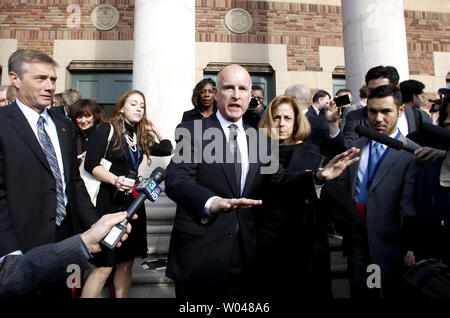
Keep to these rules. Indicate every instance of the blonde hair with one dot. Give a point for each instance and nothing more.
(302, 127)
(145, 139)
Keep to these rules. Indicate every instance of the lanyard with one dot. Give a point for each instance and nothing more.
(373, 173)
(135, 163)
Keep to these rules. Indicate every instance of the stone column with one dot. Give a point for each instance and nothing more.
(374, 34)
(164, 70)
(164, 60)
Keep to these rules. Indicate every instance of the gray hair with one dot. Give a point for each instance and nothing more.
(18, 60)
(70, 96)
(301, 92)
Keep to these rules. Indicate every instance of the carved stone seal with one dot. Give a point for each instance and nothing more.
(238, 20)
(105, 17)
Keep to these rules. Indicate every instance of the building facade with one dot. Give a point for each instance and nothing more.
(281, 42)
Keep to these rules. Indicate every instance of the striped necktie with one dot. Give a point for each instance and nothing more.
(50, 153)
(236, 154)
(236, 161)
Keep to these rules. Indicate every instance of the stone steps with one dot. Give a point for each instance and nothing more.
(339, 272)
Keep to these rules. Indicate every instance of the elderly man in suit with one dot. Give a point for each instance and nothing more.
(382, 185)
(213, 239)
(38, 167)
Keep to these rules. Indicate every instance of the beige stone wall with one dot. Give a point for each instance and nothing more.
(8, 46)
(416, 5)
(66, 51)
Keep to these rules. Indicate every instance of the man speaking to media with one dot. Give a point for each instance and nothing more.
(213, 239)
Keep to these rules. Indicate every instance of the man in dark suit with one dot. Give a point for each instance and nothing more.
(38, 167)
(21, 274)
(213, 240)
(409, 122)
(382, 186)
(321, 100)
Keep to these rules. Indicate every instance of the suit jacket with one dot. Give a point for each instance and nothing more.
(61, 110)
(389, 200)
(193, 114)
(28, 188)
(320, 137)
(312, 112)
(414, 116)
(200, 249)
(21, 274)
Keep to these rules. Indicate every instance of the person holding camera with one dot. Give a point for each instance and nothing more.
(133, 137)
(256, 107)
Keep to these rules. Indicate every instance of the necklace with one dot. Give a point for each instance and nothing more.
(132, 142)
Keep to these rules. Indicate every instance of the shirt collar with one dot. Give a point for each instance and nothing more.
(383, 146)
(31, 115)
(316, 109)
(225, 123)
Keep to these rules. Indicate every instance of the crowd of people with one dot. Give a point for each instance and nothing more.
(237, 231)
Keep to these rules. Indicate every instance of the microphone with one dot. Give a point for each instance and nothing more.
(440, 133)
(386, 140)
(148, 189)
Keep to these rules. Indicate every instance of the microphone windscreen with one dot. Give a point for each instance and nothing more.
(378, 137)
(159, 174)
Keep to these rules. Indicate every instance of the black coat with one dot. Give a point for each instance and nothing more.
(193, 114)
(292, 238)
(200, 249)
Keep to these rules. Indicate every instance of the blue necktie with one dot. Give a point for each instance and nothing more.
(50, 153)
(375, 155)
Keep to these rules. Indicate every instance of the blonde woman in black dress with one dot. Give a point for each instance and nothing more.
(133, 137)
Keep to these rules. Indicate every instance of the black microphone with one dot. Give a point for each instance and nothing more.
(148, 189)
(436, 132)
(386, 140)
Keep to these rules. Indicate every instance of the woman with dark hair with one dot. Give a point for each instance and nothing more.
(86, 114)
(133, 137)
(291, 237)
(203, 101)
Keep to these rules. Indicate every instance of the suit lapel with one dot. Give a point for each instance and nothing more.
(386, 165)
(253, 168)
(62, 131)
(20, 124)
(410, 118)
(354, 168)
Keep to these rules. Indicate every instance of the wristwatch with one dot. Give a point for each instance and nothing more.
(316, 180)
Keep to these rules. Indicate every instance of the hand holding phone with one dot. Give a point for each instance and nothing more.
(342, 100)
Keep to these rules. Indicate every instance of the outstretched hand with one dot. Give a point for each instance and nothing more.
(338, 164)
(220, 205)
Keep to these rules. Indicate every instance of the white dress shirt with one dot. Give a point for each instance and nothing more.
(402, 124)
